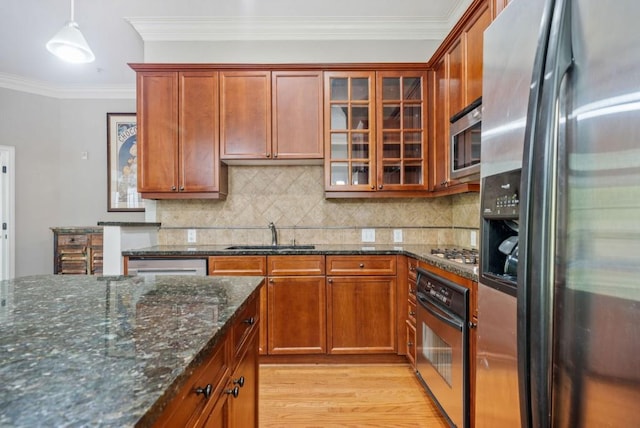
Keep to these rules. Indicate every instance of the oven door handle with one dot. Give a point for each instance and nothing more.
(443, 316)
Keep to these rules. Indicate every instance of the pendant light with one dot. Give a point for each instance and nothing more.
(69, 43)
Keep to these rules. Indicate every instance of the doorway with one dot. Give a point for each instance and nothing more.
(7, 212)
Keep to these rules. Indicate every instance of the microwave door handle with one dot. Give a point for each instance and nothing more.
(446, 318)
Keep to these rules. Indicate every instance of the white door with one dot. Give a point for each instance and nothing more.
(7, 212)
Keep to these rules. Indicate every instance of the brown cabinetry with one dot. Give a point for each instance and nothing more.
(455, 82)
(375, 133)
(410, 320)
(361, 304)
(271, 115)
(223, 389)
(178, 152)
(296, 305)
(77, 250)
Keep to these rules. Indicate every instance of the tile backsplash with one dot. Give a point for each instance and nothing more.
(293, 198)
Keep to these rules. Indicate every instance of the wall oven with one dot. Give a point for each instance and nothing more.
(443, 344)
(465, 143)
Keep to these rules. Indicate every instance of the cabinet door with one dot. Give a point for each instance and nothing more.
(297, 315)
(157, 104)
(199, 132)
(361, 314)
(440, 143)
(401, 118)
(455, 77)
(297, 114)
(245, 114)
(243, 408)
(349, 131)
(473, 57)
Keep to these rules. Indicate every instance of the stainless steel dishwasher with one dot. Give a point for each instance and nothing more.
(167, 266)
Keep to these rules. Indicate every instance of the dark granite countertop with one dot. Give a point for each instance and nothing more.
(97, 351)
(420, 252)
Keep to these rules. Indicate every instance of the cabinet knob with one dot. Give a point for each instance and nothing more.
(239, 381)
(361, 265)
(275, 155)
(271, 281)
(409, 344)
(249, 321)
(412, 313)
(329, 280)
(173, 188)
(473, 324)
(268, 155)
(235, 391)
(380, 186)
(181, 188)
(206, 390)
(412, 291)
(373, 187)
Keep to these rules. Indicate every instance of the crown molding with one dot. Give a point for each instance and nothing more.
(19, 83)
(155, 29)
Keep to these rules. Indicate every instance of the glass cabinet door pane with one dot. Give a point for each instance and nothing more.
(412, 88)
(339, 173)
(360, 117)
(339, 146)
(359, 89)
(339, 89)
(391, 173)
(360, 173)
(391, 88)
(339, 116)
(412, 117)
(412, 173)
(360, 146)
(391, 116)
(391, 145)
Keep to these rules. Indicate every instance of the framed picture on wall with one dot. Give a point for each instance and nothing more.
(122, 167)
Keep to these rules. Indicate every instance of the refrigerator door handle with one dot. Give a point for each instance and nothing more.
(538, 220)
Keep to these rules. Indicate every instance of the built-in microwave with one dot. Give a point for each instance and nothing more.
(465, 143)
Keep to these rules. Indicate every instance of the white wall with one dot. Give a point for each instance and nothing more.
(54, 187)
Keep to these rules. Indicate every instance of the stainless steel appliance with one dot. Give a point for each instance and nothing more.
(442, 338)
(167, 266)
(465, 142)
(561, 109)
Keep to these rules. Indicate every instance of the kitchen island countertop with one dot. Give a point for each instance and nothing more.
(100, 351)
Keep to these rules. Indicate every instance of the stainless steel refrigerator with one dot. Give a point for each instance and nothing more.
(559, 287)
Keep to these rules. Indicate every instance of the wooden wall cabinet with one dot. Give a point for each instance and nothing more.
(375, 142)
(271, 115)
(77, 250)
(178, 151)
(455, 81)
(361, 304)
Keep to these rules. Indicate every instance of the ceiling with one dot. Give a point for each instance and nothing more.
(117, 30)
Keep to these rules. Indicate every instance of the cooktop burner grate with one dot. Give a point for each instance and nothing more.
(460, 255)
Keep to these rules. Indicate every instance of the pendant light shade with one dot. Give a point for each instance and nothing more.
(69, 44)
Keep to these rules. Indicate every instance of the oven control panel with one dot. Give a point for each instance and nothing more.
(443, 293)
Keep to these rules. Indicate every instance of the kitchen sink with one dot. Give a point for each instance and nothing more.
(271, 247)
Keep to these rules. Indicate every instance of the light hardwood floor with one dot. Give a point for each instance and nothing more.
(344, 395)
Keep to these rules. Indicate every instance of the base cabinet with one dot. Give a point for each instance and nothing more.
(222, 392)
(77, 250)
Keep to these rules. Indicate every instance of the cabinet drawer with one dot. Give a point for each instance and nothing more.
(238, 265)
(96, 239)
(412, 265)
(187, 406)
(411, 312)
(246, 323)
(295, 265)
(411, 343)
(72, 240)
(361, 265)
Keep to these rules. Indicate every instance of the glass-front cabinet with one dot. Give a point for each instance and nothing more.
(350, 144)
(375, 132)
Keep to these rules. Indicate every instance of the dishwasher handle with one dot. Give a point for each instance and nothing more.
(444, 316)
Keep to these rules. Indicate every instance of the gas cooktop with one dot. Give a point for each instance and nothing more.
(468, 256)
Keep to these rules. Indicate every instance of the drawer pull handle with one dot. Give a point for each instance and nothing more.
(409, 344)
(249, 321)
(206, 390)
(239, 381)
(412, 313)
(235, 391)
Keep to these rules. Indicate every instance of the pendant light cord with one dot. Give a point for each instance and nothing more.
(72, 20)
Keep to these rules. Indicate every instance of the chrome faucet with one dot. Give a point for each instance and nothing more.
(274, 234)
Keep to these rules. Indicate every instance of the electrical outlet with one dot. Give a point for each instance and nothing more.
(368, 235)
(191, 236)
(474, 240)
(397, 235)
